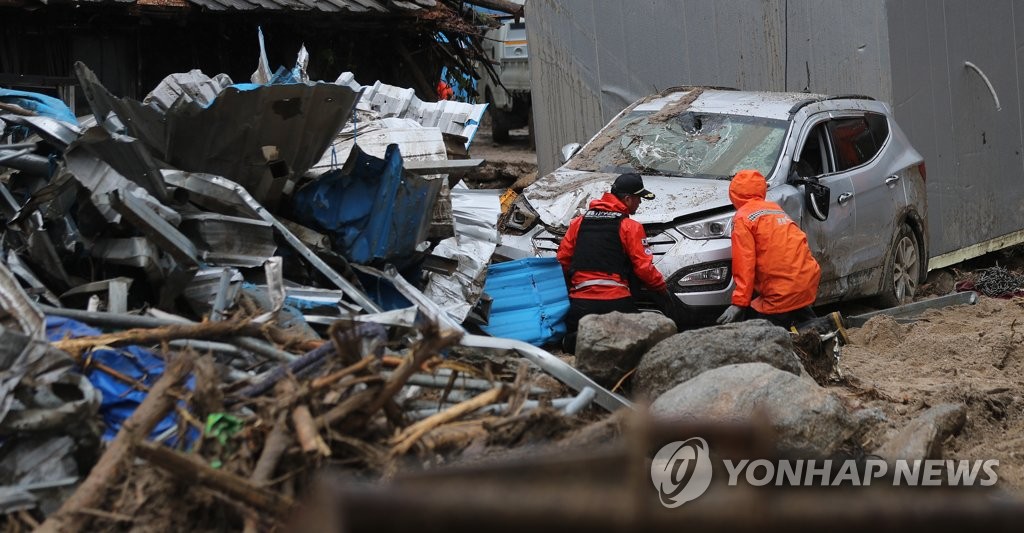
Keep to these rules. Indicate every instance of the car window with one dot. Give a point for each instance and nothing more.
(857, 139)
(703, 145)
(814, 157)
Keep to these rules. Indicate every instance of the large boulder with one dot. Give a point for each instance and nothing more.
(922, 438)
(687, 354)
(610, 345)
(808, 420)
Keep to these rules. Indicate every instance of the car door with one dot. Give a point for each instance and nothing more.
(877, 194)
(832, 240)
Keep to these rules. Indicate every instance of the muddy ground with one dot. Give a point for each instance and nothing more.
(970, 354)
(966, 354)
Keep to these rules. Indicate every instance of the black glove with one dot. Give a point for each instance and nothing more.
(732, 314)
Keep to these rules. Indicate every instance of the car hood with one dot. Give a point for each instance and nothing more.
(564, 194)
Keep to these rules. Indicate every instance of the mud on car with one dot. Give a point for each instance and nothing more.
(838, 165)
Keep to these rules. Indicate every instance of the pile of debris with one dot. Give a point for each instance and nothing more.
(240, 284)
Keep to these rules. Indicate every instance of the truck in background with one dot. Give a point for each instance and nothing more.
(508, 95)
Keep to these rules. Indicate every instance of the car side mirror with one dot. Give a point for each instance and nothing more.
(817, 197)
(570, 150)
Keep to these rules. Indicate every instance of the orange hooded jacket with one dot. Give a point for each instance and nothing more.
(634, 243)
(770, 256)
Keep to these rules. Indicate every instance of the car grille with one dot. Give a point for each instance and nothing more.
(659, 240)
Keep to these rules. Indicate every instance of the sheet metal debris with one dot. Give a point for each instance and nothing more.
(210, 271)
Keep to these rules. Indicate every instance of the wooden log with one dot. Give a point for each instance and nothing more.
(235, 487)
(306, 432)
(93, 490)
(412, 434)
(274, 446)
(201, 331)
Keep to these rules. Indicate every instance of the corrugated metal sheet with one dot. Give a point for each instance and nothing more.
(529, 300)
(458, 118)
(589, 59)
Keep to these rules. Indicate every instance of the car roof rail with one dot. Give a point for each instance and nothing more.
(850, 97)
(799, 105)
(678, 88)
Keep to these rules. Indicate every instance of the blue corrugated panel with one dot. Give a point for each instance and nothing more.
(529, 300)
(374, 214)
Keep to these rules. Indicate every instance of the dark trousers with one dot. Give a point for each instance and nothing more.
(787, 319)
(580, 307)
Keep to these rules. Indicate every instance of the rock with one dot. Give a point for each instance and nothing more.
(610, 345)
(922, 438)
(808, 420)
(687, 354)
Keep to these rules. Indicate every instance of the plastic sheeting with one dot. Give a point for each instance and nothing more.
(530, 300)
(119, 398)
(41, 104)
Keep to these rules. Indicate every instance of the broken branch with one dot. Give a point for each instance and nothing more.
(306, 432)
(202, 331)
(412, 434)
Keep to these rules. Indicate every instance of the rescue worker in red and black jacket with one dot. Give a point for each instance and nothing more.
(772, 266)
(603, 251)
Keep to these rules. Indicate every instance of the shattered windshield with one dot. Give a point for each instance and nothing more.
(701, 145)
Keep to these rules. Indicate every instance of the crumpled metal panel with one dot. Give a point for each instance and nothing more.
(53, 131)
(476, 212)
(414, 141)
(202, 289)
(457, 294)
(227, 138)
(373, 212)
(184, 87)
(129, 157)
(458, 118)
(476, 215)
(136, 252)
(216, 193)
(20, 314)
(100, 179)
(230, 241)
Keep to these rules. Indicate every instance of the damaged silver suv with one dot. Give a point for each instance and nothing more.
(839, 166)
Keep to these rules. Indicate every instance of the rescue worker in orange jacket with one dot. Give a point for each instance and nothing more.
(603, 250)
(772, 266)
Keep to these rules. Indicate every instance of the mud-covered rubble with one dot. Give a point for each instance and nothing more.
(242, 284)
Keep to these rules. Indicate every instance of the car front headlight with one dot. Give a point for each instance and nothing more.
(719, 227)
(519, 217)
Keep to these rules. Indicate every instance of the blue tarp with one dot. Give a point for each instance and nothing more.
(373, 214)
(42, 104)
(119, 398)
(530, 300)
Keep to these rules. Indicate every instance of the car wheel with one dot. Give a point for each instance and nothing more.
(902, 269)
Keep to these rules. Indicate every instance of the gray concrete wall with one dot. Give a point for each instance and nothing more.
(972, 150)
(591, 58)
